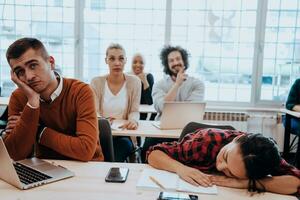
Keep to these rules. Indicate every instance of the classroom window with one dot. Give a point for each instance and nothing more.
(50, 21)
(138, 25)
(281, 63)
(220, 36)
(246, 52)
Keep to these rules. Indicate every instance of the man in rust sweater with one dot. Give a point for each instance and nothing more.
(49, 116)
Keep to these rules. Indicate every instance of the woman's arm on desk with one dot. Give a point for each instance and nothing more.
(285, 184)
(161, 160)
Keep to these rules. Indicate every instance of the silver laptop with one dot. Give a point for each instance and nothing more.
(29, 173)
(176, 115)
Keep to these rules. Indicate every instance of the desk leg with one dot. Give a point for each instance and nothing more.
(148, 116)
(287, 131)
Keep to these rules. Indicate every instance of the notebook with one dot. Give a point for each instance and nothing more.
(176, 115)
(29, 173)
(117, 124)
(171, 182)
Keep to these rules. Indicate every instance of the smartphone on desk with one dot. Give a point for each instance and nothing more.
(117, 175)
(176, 196)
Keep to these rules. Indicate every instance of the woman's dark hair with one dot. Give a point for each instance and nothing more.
(20, 46)
(261, 158)
(164, 57)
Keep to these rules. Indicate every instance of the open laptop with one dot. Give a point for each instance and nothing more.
(176, 115)
(29, 173)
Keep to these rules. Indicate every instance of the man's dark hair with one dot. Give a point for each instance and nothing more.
(164, 57)
(20, 46)
(261, 158)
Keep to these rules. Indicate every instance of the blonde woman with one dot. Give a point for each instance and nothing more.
(118, 97)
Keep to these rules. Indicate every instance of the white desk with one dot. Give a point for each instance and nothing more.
(216, 108)
(209, 108)
(89, 183)
(146, 109)
(146, 129)
(149, 109)
(293, 113)
(4, 101)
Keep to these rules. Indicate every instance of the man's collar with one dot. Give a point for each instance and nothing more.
(59, 88)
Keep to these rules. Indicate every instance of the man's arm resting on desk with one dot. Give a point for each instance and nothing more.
(161, 160)
(285, 184)
(81, 147)
(20, 139)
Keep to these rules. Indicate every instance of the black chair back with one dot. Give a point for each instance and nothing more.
(4, 118)
(193, 126)
(106, 140)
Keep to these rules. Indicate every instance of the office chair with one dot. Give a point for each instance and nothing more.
(291, 124)
(4, 118)
(135, 155)
(193, 126)
(106, 140)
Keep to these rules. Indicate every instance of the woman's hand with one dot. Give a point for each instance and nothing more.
(194, 176)
(143, 78)
(130, 125)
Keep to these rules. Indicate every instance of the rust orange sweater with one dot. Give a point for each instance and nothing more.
(71, 121)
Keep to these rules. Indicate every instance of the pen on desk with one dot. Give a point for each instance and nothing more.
(157, 183)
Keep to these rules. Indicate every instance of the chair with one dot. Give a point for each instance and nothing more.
(4, 118)
(287, 146)
(193, 126)
(106, 140)
(135, 155)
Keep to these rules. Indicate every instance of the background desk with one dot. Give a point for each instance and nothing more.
(147, 129)
(215, 108)
(146, 109)
(4, 101)
(89, 184)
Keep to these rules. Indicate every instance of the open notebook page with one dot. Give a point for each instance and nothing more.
(171, 182)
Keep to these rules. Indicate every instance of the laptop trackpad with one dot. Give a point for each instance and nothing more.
(38, 164)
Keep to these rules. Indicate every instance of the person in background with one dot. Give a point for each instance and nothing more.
(176, 86)
(293, 103)
(118, 97)
(227, 158)
(138, 64)
(49, 116)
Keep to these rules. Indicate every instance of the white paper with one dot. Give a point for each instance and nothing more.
(116, 125)
(171, 182)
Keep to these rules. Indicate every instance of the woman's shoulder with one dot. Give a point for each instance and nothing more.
(98, 79)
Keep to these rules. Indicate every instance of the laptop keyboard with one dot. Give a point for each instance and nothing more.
(28, 175)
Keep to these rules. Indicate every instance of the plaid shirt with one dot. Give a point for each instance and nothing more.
(200, 149)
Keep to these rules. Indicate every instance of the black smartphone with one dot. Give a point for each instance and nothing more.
(176, 196)
(117, 175)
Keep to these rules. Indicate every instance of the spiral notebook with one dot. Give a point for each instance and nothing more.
(171, 182)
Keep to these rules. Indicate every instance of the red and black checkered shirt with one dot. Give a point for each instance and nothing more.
(200, 149)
